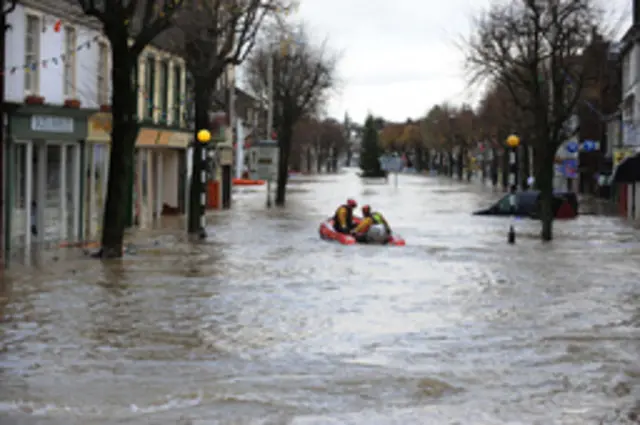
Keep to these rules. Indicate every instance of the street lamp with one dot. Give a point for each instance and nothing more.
(204, 137)
(513, 142)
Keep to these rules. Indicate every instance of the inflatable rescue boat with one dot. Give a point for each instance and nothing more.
(329, 234)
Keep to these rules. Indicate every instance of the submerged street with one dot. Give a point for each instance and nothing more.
(268, 324)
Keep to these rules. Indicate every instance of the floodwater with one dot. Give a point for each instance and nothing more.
(267, 324)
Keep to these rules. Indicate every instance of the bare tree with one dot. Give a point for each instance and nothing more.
(303, 75)
(332, 144)
(535, 49)
(216, 34)
(439, 129)
(305, 135)
(129, 26)
(6, 7)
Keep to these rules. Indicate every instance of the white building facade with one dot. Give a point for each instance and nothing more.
(56, 77)
(629, 193)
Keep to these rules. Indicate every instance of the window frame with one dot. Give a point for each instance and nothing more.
(69, 70)
(33, 57)
(164, 69)
(102, 76)
(149, 87)
(178, 74)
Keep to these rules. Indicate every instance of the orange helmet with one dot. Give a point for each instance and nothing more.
(352, 203)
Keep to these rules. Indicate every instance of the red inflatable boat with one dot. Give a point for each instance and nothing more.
(327, 233)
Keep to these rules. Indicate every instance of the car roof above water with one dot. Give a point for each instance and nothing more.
(529, 197)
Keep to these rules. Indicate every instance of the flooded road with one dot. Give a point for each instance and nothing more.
(267, 324)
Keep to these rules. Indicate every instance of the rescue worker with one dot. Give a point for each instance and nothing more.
(343, 217)
(372, 228)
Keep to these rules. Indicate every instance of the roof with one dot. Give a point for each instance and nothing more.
(245, 96)
(631, 37)
(70, 11)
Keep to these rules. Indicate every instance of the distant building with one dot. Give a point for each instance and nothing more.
(628, 193)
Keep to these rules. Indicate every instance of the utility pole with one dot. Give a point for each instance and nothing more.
(269, 114)
(6, 7)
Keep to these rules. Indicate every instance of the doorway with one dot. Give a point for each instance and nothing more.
(226, 186)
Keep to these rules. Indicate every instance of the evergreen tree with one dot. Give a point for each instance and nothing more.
(370, 151)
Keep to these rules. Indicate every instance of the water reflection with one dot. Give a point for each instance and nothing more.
(265, 323)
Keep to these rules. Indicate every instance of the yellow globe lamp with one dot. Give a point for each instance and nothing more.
(204, 136)
(513, 141)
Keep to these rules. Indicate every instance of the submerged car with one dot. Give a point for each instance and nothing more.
(565, 205)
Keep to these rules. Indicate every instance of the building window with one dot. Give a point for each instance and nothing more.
(103, 74)
(163, 103)
(626, 72)
(32, 55)
(150, 87)
(177, 94)
(70, 43)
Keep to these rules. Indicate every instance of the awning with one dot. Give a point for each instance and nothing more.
(628, 171)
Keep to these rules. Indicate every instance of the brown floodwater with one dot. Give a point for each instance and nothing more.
(267, 324)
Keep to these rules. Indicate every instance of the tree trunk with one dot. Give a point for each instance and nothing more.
(309, 160)
(123, 139)
(283, 164)
(450, 165)
(460, 164)
(494, 167)
(334, 160)
(426, 161)
(505, 170)
(319, 160)
(544, 182)
(202, 104)
(296, 158)
(484, 166)
(523, 166)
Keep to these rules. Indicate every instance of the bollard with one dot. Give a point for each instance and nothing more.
(511, 236)
(202, 234)
(268, 193)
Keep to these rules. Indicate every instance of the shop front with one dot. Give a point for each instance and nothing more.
(96, 169)
(43, 177)
(159, 184)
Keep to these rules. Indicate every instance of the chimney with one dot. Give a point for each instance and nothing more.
(636, 12)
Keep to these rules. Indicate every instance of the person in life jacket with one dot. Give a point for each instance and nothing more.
(372, 228)
(343, 217)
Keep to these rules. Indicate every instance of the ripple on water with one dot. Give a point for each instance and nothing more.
(267, 324)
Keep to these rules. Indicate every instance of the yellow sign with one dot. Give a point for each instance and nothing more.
(619, 154)
(99, 128)
(147, 137)
(179, 140)
(160, 138)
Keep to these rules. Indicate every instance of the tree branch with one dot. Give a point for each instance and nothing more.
(11, 8)
(151, 27)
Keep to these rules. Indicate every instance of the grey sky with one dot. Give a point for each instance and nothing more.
(400, 57)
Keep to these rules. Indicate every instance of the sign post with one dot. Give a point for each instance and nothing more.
(265, 157)
(203, 136)
(513, 142)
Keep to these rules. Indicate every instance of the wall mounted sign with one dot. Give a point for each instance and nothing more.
(51, 124)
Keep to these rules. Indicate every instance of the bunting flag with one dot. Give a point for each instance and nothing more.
(62, 58)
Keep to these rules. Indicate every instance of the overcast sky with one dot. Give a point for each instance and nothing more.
(400, 57)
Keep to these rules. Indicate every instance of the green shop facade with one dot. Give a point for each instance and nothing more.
(43, 178)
